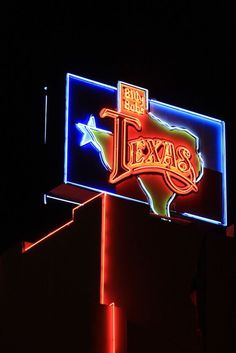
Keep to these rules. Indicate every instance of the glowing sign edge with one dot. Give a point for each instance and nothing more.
(223, 147)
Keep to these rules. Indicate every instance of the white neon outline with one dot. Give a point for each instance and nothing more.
(91, 124)
(170, 127)
(93, 82)
(203, 117)
(84, 129)
(224, 215)
(97, 145)
(89, 137)
(154, 101)
(185, 110)
(44, 199)
(61, 199)
(151, 200)
(66, 127)
(224, 186)
(83, 79)
(201, 218)
(107, 192)
(129, 84)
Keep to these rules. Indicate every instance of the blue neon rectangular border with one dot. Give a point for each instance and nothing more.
(222, 142)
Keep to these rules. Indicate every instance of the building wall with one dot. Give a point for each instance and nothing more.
(171, 286)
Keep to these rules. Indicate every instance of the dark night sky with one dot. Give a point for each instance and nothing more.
(182, 54)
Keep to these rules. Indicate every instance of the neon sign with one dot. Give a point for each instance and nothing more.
(121, 142)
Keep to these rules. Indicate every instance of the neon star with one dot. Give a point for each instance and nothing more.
(90, 132)
(93, 135)
(85, 129)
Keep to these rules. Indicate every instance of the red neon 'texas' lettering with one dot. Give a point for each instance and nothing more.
(149, 155)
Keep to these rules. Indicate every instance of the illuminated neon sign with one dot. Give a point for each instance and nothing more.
(121, 142)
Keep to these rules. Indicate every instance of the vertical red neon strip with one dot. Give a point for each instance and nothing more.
(103, 246)
(113, 328)
(111, 320)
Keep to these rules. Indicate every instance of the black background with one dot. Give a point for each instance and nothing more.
(182, 53)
